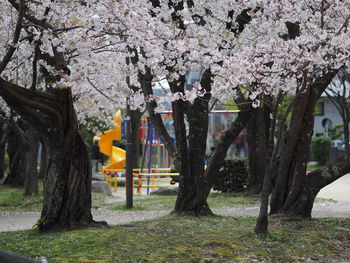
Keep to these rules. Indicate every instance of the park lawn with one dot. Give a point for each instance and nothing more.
(188, 239)
(216, 201)
(12, 199)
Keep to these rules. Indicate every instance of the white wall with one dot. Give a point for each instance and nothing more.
(330, 112)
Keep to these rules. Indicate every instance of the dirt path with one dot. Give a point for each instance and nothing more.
(11, 221)
(338, 191)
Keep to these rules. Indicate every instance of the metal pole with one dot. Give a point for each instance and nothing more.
(129, 168)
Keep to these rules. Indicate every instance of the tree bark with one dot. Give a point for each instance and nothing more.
(156, 118)
(346, 135)
(135, 125)
(314, 182)
(31, 173)
(291, 173)
(43, 161)
(26, 155)
(2, 148)
(271, 162)
(252, 152)
(192, 198)
(258, 130)
(67, 183)
(16, 153)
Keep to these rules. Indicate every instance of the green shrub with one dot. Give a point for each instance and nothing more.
(232, 176)
(320, 147)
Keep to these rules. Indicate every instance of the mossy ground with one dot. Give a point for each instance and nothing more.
(181, 239)
(12, 199)
(188, 239)
(215, 201)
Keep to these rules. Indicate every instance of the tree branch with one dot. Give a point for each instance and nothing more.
(12, 48)
(21, 97)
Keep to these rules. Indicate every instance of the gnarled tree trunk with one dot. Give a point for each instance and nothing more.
(192, 198)
(289, 195)
(67, 183)
(314, 182)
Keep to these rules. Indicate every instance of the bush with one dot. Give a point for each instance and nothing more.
(232, 176)
(320, 147)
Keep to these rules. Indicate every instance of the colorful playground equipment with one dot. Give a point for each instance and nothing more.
(116, 155)
(155, 163)
(147, 177)
(149, 180)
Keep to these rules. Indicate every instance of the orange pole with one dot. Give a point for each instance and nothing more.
(140, 185)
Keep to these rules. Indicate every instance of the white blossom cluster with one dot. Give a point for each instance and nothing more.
(109, 43)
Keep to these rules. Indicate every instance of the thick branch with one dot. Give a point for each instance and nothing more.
(12, 48)
(328, 174)
(20, 97)
(31, 18)
(156, 118)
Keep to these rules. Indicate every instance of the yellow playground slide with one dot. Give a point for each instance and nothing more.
(116, 155)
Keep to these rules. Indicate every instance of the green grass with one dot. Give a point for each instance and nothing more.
(12, 199)
(215, 201)
(187, 239)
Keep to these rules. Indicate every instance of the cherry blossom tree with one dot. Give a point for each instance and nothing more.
(98, 52)
(33, 58)
(257, 48)
(163, 40)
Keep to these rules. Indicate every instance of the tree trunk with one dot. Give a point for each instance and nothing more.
(191, 198)
(2, 148)
(31, 172)
(192, 191)
(16, 153)
(156, 118)
(271, 162)
(43, 161)
(293, 166)
(135, 125)
(258, 129)
(67, 183)
(314, 182)
(252, 153)
(346, 135)
(289, 187)
(2, 161)
(25, 157)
